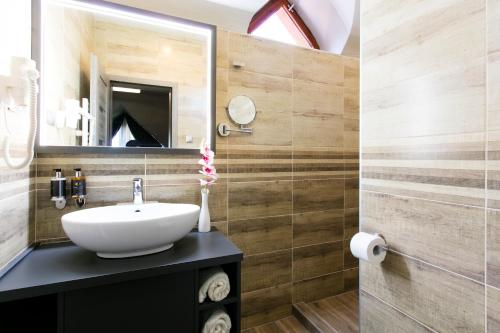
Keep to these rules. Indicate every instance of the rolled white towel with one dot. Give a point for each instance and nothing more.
(214, 284)
(218, 322)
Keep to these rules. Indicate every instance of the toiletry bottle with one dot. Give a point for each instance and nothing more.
(58, 189)
(78, 187)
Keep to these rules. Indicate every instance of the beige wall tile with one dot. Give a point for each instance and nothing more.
(416, 49)
(493, 310)
(376, 316)
(493, 247)
(422, 291)
(446, 235)
(15, 226)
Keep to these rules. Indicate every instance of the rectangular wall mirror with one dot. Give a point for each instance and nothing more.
(119, 79)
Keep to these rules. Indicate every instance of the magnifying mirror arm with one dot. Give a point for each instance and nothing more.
(225, 130)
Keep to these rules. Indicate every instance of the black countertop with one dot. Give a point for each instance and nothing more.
(58, 268)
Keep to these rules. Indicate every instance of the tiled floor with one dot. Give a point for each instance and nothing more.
(336, 314)
(285, 325)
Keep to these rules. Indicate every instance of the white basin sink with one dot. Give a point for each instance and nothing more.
(130, 230)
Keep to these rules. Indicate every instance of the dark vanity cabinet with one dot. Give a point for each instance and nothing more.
(77, 292)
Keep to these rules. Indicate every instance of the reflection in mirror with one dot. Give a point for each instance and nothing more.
(140, 115)
(112, 77)
(241, 109)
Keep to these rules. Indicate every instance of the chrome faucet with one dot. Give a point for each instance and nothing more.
(137, 191)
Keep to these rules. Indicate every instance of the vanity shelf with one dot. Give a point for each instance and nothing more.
(63, 288)
(209, 305)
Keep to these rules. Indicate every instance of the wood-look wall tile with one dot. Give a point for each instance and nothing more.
(349, 260)
(48, 218)
(221, 102)
(320, 107)
(318, 162)
(351, 162)
(351, 133)
(266, 234)
(446, 235)
(318, 227)
(376, 316)
(351, 222)
(190, 193)
(351, 103)
(351, 279)
(351, 193)
(422, 291)
(265, 305)
(260, 55)
(493, 310)
(221, 226)
(351, 72)
(99, 169)
(317, 288)
(162, 169)
(259, 199)
(318, 195)
(272, 97)
(266, 270)
(259, 163)
(317, 66)
(315, 260)
(222, 48)
(493, 247)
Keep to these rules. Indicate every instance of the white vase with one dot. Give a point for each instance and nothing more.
(204, 221)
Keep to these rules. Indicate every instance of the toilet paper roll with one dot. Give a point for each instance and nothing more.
(368, 247)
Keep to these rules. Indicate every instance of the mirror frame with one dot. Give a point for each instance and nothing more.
(36, 54)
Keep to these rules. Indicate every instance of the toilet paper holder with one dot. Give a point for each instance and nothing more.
(369, 247)
(385, 247)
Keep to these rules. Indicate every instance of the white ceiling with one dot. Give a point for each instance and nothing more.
(334, 23)
(246, 5)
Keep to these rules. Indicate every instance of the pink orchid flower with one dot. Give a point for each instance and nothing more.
(207, 168)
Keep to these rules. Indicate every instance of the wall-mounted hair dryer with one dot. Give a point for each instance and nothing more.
(18, 92)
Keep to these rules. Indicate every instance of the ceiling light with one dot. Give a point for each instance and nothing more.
(127, 90)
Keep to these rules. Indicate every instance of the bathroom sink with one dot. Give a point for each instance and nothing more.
(130, 230)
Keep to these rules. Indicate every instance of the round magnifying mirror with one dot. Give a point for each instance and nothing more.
(241, 109)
